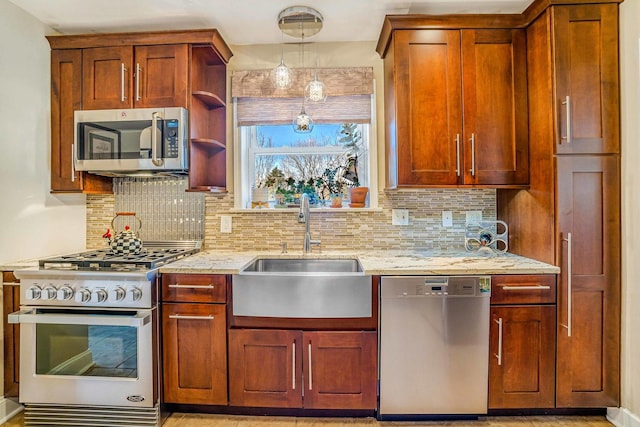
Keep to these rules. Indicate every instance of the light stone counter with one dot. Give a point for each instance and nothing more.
(374, 262)
(18, 265)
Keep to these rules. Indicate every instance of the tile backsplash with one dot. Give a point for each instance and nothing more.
(337, 229)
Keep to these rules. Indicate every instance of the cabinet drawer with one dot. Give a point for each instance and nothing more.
(194, 288)
(523, 289)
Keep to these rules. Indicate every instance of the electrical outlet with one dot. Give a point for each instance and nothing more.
(225, 223)
(474, 216)
(399, 216)
(447, 219)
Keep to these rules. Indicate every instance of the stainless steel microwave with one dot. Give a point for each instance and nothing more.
(131, 141)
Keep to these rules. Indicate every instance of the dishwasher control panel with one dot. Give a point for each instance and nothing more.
(436, 286)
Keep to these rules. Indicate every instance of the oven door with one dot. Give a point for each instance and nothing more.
(87, 357)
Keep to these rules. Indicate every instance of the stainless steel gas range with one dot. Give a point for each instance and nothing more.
(89, 337)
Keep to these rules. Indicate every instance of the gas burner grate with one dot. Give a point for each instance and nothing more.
(153, 255)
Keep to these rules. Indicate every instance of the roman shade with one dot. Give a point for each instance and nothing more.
(349, 97)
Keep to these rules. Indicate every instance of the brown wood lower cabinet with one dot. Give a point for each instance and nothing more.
(522, 365)
(522, 342)
(11, 303)
(195, 356)
(269, 368)
(194, 332)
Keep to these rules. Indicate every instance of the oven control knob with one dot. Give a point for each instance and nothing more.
(133, 295)
(33, 293)
(83, 295)
(64, 293)
(116, 294)
(49, 293)
(99, 296)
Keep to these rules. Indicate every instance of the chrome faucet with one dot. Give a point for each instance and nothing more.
(304, 217)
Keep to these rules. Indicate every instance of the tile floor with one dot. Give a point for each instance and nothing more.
(207, 420)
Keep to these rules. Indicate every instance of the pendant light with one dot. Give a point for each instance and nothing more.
(281, 74)
(303, 123)
(314, 91)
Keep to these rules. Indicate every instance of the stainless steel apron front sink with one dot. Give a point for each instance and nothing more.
(302, 288)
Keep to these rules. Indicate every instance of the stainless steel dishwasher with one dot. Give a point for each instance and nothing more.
(434, 346)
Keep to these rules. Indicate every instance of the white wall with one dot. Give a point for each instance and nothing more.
(630, 103)
(33, 223)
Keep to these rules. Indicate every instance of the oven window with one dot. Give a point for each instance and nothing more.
(81, 350)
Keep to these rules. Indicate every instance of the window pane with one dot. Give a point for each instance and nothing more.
(323, 135)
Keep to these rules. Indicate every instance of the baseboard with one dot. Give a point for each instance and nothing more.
(621, 417)
(8, 409)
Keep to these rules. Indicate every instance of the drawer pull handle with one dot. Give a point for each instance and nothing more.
(182, 316)
(527, 288)
(179, 286)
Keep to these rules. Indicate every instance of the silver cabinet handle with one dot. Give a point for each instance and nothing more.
(567, 106)
(182, 316)
(293, 365)
(569, 284)
(154, 139)
(457, 154)
(526, 288)
(473, 154)
(499, 355)
(310, 370)
(123, 71)
(179, 286)
(73, 161)
(138, 70)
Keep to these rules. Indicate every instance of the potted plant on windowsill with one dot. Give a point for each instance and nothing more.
(350, 137)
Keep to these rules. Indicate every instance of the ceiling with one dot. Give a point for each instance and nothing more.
(243, 22)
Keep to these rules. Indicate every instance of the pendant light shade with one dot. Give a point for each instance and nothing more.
(315, 90)
(303, 123)
(281, 76)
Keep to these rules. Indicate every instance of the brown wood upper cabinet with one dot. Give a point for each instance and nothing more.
(587, 103)
(456, 108)
(135, 76)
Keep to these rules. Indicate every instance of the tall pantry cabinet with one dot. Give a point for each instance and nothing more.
(570, 215)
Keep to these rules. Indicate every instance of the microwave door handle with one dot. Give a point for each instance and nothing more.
(154, 139)
(28, 316)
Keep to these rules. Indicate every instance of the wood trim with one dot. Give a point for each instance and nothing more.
(204, 36)
(11, 334)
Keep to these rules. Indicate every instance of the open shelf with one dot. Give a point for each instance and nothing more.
(211, 142)
(211, 100)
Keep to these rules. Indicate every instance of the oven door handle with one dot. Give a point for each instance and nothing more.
(28, 316)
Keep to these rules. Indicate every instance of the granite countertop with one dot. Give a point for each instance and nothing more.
(374, 262)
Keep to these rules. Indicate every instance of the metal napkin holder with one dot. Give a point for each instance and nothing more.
(486, 236)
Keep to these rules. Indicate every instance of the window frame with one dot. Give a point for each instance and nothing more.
(244, 168)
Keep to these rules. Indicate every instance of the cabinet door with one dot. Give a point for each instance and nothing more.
(66, 97)
(586, 74)
(265, 368)
(588, 197)
(428, 107)
(522, 357)
(195, 353)
(494, 83)
(11, 303)
(107, 77)
(160, 76)
(340, 370)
